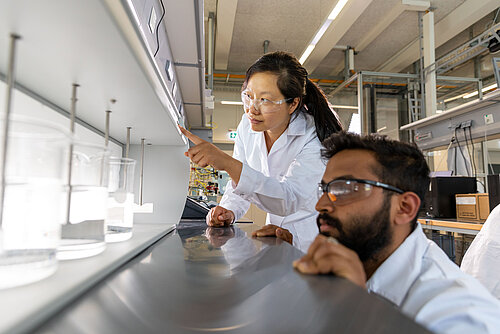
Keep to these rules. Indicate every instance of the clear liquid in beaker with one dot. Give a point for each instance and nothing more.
(120, 216)
(30, 231)
(84, 235)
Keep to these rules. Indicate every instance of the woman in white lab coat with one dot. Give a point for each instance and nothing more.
(482, 259)
(276, 162)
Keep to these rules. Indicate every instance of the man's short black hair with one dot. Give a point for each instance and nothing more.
(400, 164)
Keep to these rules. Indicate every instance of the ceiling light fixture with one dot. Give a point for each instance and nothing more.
(344, 107)
(333, 15)
(485, 89)
(234, 103)
(454, 98)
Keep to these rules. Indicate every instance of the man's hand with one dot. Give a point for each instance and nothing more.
(219, 217)
(274, 231)
(326, 255)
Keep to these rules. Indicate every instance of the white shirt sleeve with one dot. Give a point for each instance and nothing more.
(482, 259)
(294, 191)
(230, 200)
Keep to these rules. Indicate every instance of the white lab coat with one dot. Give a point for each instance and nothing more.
(283, 183)
(482, 259)
(419, 278)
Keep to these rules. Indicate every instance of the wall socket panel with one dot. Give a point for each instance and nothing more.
(488, 119)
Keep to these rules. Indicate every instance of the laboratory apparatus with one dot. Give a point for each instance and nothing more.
(83, 233)
(36, 166)
(120, 214)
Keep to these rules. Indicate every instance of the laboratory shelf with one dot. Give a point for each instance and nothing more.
(97, 45)
(24, 308)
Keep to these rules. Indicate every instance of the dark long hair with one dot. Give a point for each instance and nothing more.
(293, 82)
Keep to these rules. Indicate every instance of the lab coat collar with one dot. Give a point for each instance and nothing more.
(298, 124)
(394, 277)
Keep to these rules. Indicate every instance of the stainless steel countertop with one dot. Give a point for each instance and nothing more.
(199, 280)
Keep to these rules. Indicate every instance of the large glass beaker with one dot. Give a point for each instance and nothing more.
(35, 175)
(83, 234)
(120, 215)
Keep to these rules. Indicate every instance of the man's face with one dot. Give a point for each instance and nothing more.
(364, 224)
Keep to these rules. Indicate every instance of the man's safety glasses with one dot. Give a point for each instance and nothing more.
(350, 190)
(262, 105)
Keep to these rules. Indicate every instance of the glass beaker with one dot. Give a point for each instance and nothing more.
(35, 173)
(83, 234)
(120, 217)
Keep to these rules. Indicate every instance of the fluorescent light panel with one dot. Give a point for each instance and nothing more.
(235, 103)
(485, 89)
(306, 53)
(338, 8)
(333, 15)
(321, 32)
(344, 107)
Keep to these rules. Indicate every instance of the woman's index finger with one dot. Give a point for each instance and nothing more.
(194, 138)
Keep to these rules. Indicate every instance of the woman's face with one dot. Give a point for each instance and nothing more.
(263, 87)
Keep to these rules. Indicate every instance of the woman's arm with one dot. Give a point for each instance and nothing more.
(294, 191)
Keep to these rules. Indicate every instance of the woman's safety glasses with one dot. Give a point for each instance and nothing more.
(342, 191)
(262, 105)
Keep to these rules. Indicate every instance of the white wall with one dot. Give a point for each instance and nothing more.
(166, 179)
(226, 117)
(25, 105)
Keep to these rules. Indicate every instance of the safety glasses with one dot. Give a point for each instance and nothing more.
(344, 191)
(262, 105)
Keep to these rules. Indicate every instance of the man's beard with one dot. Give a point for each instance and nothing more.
(366, 236)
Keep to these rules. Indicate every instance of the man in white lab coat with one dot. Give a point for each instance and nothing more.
(482, 259)
(370, 194)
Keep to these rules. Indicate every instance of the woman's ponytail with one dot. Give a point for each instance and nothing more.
(316, 104)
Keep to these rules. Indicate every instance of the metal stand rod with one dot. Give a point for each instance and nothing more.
(127, 150)
(127, 145)
(8, 102)
(106, 133)
(141, 178)
(70, 162)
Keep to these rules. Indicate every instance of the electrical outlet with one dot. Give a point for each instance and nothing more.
(466, 124)
(488, 119)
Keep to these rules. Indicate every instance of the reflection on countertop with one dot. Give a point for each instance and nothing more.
(202, 279)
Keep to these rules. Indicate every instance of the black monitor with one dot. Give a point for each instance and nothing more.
(440, 199)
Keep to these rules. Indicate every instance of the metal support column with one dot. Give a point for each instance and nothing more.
(423, 111)
(429, 60)
(211, 48)
(361, 110)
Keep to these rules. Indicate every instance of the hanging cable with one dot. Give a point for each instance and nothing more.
(471, 156)
(461, 152)
(445, 154)
(473, 161)
(158, 27)
(473, 149)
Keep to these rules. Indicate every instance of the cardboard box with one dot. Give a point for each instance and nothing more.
(472, 207)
